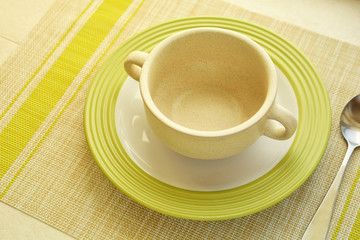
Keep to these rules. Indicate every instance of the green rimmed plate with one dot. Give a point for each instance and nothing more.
(290, 173)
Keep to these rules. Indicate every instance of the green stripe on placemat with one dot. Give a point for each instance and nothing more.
(42, 65)
(356, 225)
(27, 120)
(355, 230)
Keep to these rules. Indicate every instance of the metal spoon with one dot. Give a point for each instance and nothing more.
(350, 128)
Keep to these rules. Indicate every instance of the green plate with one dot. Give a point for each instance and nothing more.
(289, 174)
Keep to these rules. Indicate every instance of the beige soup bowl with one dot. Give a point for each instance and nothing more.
(209, 93)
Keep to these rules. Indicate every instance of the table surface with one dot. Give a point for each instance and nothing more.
(336, 19)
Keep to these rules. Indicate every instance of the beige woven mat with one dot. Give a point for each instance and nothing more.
(46, 167)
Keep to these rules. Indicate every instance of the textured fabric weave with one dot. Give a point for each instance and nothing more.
(46, 168)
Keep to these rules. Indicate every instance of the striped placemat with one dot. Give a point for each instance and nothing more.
(46, 168)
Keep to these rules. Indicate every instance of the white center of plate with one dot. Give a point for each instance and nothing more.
(154, 158)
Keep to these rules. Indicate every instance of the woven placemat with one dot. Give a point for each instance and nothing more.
(46, 168)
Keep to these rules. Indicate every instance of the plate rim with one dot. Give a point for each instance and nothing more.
(202, 208)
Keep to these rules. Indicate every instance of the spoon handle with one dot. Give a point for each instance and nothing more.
(320, 223)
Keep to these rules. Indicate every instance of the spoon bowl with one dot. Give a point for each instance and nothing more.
(350, 121)
(350, 128)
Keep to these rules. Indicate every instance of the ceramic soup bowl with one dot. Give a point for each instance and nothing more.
(209, 93)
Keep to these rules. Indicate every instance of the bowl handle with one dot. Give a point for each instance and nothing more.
(281, 123)
(134, 62)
